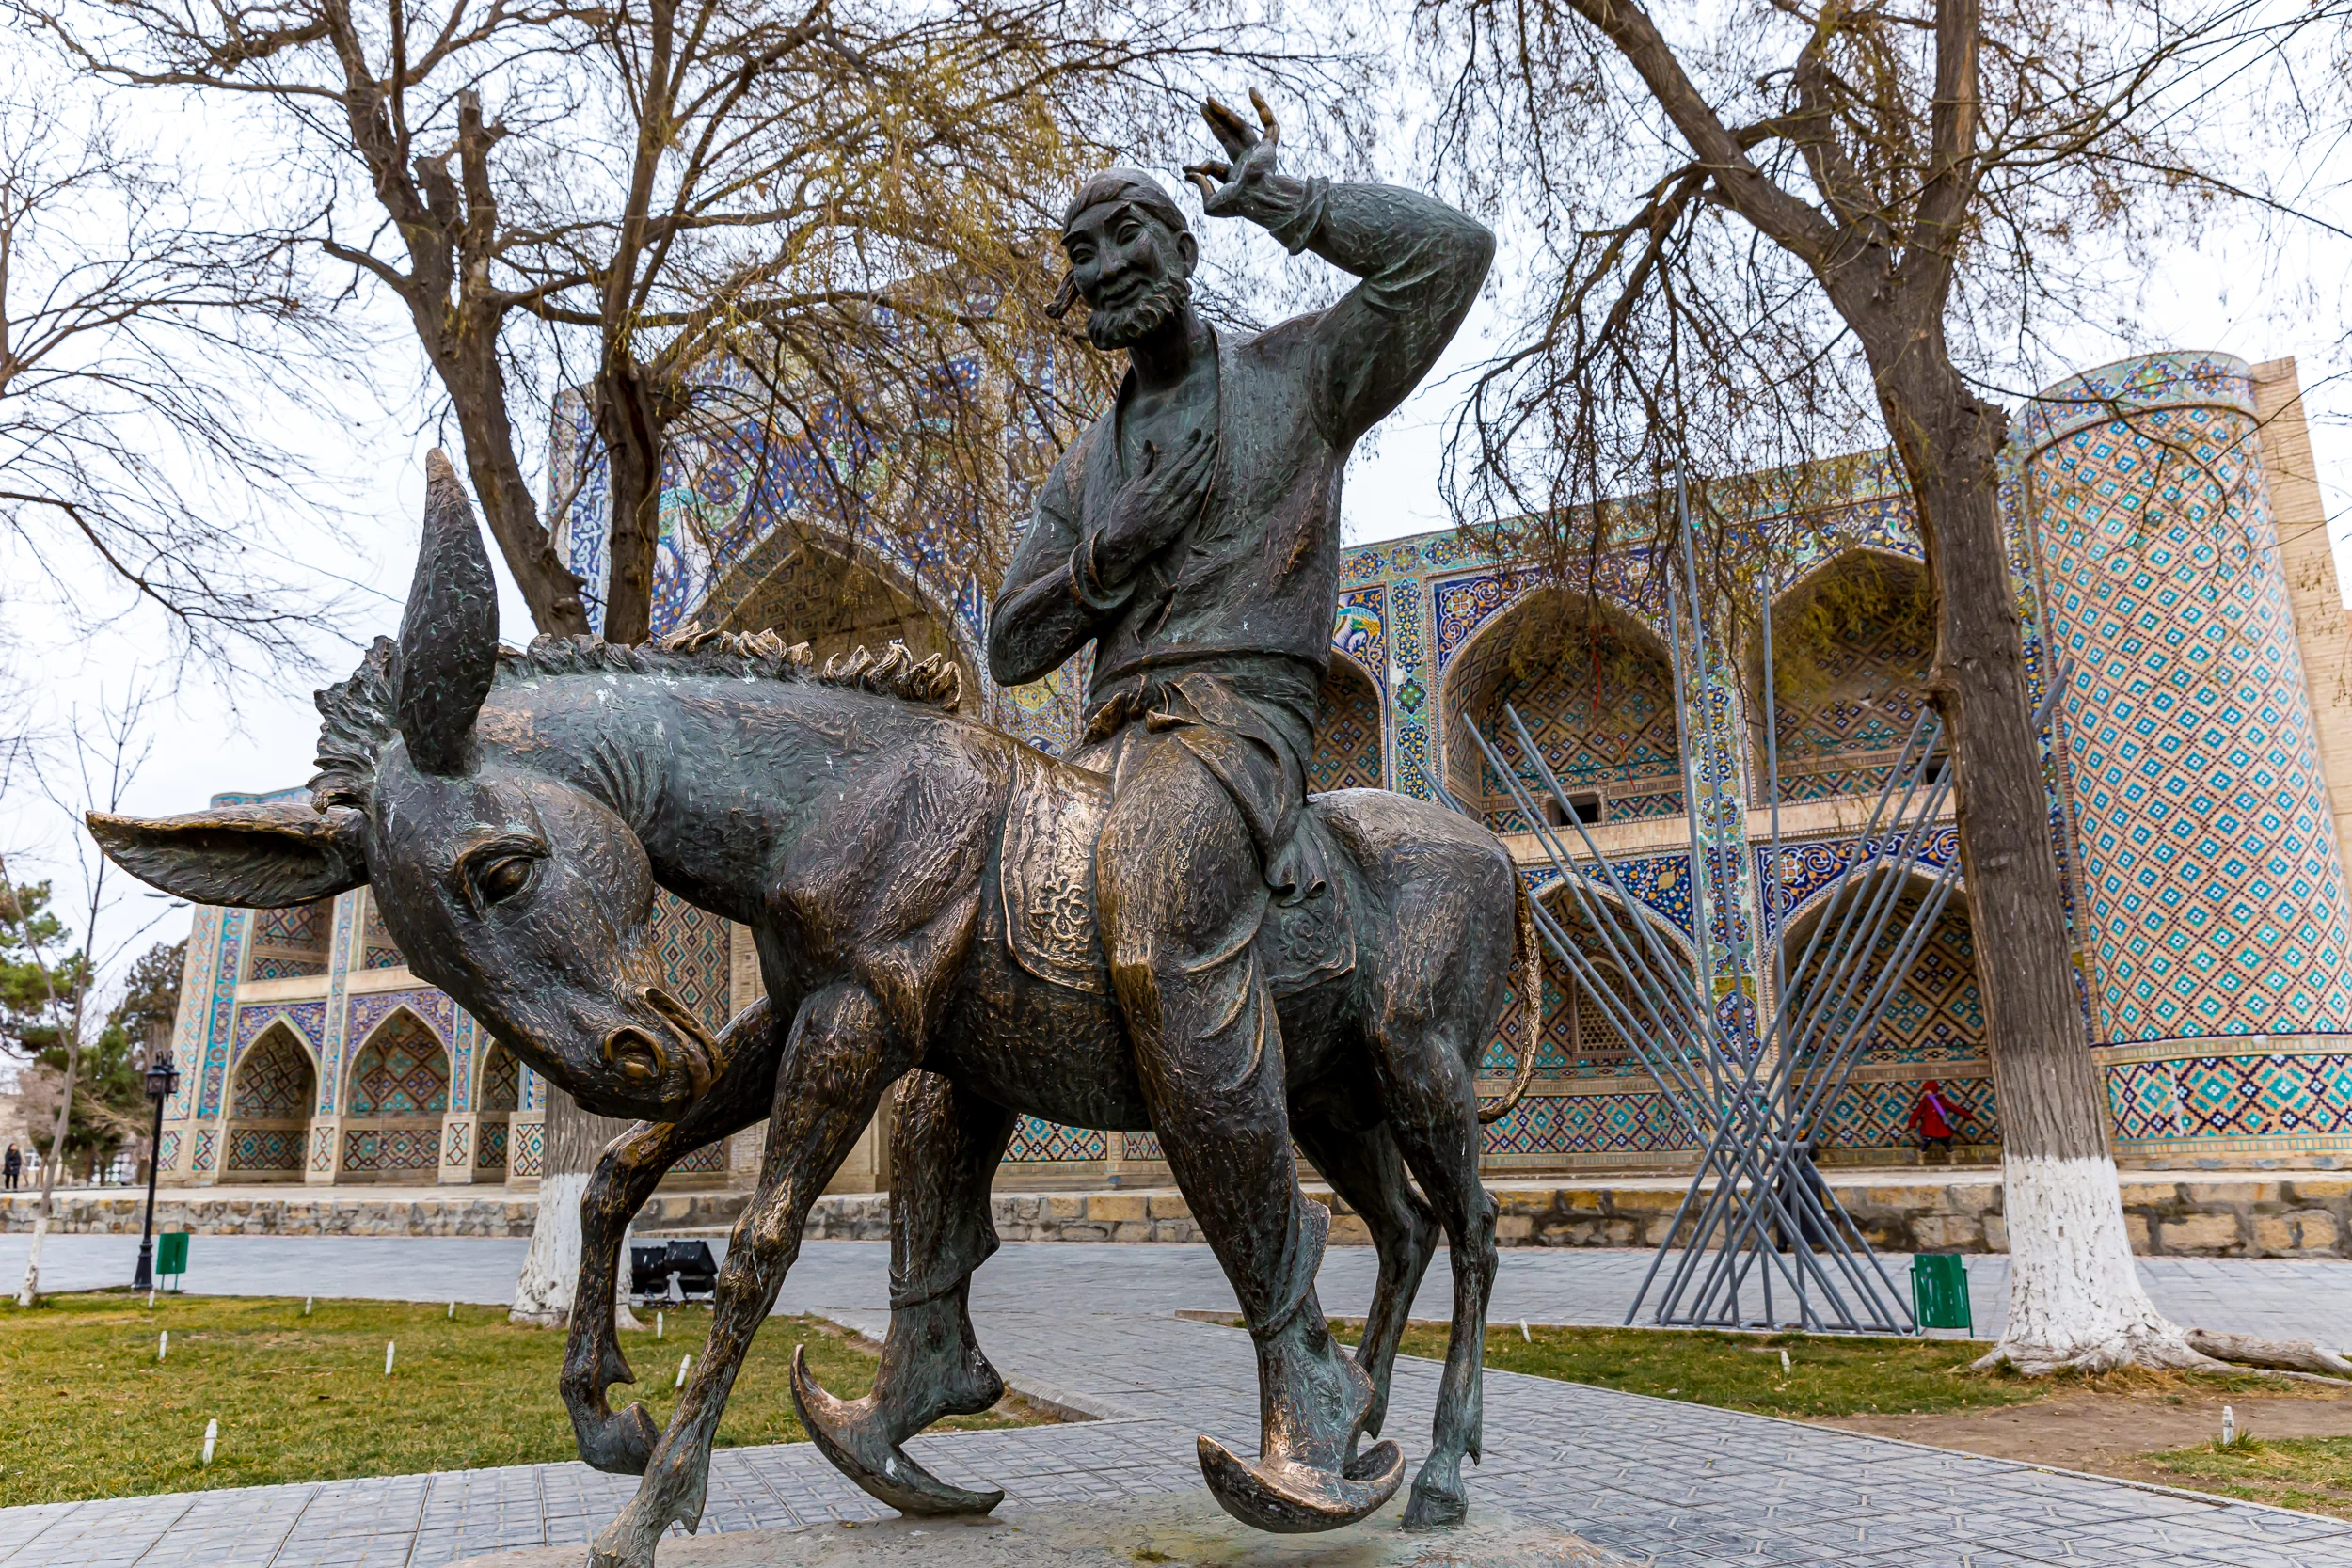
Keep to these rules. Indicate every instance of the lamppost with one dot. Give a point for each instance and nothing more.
(163, 1080)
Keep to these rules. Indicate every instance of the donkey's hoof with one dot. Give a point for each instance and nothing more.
(1434, 1508)
(620, 1443)
(1287, 1499)
(846, 1432)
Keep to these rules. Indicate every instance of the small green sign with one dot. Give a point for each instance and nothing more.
(171, 1253)
(1939, 1292)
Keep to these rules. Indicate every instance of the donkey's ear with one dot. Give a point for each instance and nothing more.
(449, 636)
(261, 857)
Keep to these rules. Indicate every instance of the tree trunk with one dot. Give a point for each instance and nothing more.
(469, 372)
(28, 1292)
(574, 1141)
(2074, 1293)
(629, 421)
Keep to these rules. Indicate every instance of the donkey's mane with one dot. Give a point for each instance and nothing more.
(360, 715)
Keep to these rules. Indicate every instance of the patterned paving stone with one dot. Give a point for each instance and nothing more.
(1665, 1483)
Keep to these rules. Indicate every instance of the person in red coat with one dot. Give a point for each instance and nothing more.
(1933, 1116)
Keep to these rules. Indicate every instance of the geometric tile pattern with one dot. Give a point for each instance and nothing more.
(1878, 1115)
(2264, 1096)
(1347, 731)
(391, 1149)
(712, 1157)
(1591, 1124)
(274, 1082)
(692, 946)
(1935, 1013)
(526, 1149)
(252, 1149)
(1853, 667)
(2209, 864)
(290, 943)
(401, 1071)
(502, 1081)
(1598, 703)
(490, 1149)
(1036, 1139)
(377, 949)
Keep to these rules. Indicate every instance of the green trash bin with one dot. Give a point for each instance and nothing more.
(171, 1255)
(1939, 1292)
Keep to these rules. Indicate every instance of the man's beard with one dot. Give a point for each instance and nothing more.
(1130, 324)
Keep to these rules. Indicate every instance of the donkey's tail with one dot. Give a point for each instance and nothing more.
(1528, 951)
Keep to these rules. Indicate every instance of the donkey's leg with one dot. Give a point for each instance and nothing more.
(1433, 1103)
(1366, 1170)
(623, 1179)
(843, 1053)
(944, 1149)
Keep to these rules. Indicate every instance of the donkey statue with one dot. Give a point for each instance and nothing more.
(917, 884)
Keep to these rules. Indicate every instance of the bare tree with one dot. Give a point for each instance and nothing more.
(828, 225)
(101, 758)
(1799, 225)
(133, 336)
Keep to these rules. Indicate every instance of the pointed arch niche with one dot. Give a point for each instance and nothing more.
(1582, 1035)
(1852, 644)
(1349, 746)
(1596, 689)
(1932, 1027)
(818, 591)
(497, 1100)
(270, 1099)
(395, 1100)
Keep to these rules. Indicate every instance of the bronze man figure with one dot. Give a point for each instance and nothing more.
(1193, 536)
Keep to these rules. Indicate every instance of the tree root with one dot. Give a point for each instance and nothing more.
(2288, 1355)
(2182, 1350)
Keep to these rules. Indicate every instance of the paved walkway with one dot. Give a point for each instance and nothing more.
(1662, 1481)
(2282, 1298)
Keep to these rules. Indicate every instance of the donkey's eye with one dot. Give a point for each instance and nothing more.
(503, 877)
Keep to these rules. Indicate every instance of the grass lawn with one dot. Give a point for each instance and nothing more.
(2314, 1474)
(86, 1411)
(1827, 1375)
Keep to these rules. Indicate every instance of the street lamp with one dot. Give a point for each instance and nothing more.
(163, 1081)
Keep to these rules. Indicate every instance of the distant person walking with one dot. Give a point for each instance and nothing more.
(1933, 1116)
(12, 1166)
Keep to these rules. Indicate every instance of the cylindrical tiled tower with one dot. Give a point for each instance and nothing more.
(2213, 898)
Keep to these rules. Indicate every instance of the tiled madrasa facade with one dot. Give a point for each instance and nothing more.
(2173, 576)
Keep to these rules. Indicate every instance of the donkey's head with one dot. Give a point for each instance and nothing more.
(526, 899)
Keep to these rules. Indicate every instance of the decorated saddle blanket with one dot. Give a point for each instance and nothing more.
(1048, 880)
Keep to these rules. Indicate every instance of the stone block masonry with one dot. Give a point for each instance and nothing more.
(2214, 1215)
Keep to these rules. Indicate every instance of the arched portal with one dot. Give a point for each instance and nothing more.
(269, 1109)
(1931, 1027)
(498, 1099)
(1348, 743)
(812, 591)
(1852, 644)
(1595, 690)
(1583, 1032)
(398, 1093)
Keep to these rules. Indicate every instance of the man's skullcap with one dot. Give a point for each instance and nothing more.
(1125, 185)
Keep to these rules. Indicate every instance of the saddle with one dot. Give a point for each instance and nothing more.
(1047, 875)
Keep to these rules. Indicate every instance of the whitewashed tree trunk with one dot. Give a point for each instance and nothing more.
(574, 1141)
(2074, 1296)
(28, 1294)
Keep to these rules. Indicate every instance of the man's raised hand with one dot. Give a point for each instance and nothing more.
(1226, 187)
(1153, 506)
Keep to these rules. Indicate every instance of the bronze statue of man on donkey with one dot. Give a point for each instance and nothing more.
(1252, 963)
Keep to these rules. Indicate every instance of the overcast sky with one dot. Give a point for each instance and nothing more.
(251, 735)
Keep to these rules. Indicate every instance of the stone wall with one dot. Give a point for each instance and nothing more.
(2302, 1216)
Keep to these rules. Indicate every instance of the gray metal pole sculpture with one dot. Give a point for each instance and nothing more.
(1755, 1211)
